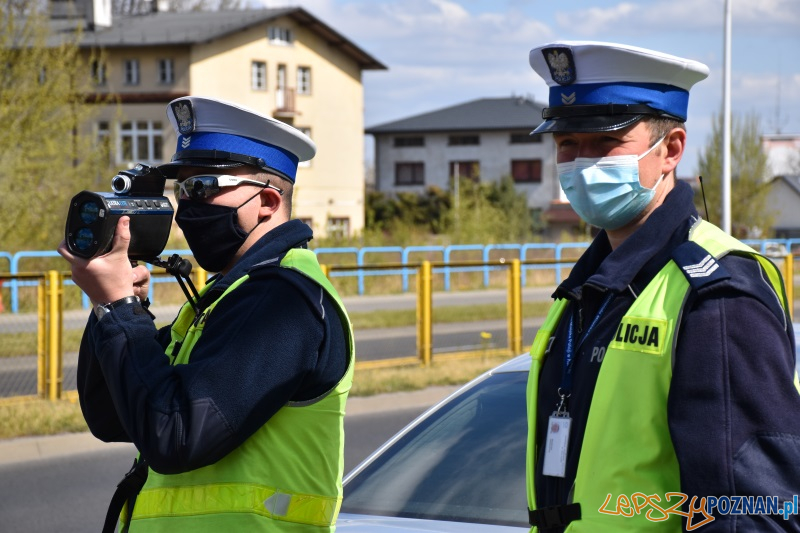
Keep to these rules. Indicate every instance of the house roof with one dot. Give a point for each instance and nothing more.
(792, 181)
(195, 27)
(476, 115)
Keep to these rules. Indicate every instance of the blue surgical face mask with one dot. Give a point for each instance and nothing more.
(605, 191)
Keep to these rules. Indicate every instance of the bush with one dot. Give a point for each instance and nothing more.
(484, 212)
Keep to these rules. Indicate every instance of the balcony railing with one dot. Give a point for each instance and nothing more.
(285, 103)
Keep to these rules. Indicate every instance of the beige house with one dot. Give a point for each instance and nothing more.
(282, 62)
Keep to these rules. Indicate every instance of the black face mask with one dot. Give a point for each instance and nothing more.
(212, 232)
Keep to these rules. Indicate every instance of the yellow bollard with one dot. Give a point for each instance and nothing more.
(514, 307)
(788, 281)
(200, 277)
(41, 338)
(424, 313)
(325, 270)
(54, 331)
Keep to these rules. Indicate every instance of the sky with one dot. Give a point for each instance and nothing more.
(445, 52)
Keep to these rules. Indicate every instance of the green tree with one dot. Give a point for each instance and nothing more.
(750, 216)
(488, 212)
(46, 152)
(491, 212)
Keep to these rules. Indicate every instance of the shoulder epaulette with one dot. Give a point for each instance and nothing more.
(698, 265)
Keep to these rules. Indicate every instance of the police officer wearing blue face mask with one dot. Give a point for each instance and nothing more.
(237, 407)
(665, 368)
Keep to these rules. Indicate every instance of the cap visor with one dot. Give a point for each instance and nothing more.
(586, 124)
(170, 170)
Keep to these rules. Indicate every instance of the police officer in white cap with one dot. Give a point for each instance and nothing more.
(665, 367)
(237, 408)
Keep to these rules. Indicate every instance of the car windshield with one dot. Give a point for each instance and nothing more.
(464, 463)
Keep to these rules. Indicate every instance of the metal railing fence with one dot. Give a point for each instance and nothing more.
(38, 347)
(31, 349)
(405, 257)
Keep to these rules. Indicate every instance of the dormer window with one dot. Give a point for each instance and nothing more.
(280, 36)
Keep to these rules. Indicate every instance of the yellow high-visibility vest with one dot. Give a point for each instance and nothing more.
(627, 447)
(287, 477)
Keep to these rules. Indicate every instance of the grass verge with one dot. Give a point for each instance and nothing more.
(444, 315)
(40, 417)
(448, 372)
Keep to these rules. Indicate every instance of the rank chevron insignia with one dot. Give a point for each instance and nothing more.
(568, 99)
(186, 142)
(703, 269)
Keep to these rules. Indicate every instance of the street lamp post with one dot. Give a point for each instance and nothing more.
(726, 125)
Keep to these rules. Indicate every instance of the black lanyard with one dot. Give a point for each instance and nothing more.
(569, 349)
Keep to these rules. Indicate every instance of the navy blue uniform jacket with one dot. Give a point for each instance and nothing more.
(733, 411)
(276, 338)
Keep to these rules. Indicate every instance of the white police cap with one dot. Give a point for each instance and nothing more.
(218, 134)
(596, 86)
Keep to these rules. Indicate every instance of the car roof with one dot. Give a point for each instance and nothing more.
(521, 363)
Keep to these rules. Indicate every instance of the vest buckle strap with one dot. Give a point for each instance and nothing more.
(555, 516)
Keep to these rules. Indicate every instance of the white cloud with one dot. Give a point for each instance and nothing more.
(595, 20)
(437, 52)
(774, 16)
(444, 52)
(615, 21)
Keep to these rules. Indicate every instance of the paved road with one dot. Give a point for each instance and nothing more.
(64, 483)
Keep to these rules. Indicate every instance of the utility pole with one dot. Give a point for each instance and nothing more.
(726, 125)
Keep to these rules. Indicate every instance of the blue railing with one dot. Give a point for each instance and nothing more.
(407, 255)
(14, 268)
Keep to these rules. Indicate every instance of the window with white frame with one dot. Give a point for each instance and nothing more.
(140, 141)
(131, 72)
(279, 35)
(306, 131)
(166, 71)
(303, 80)
(258, 75)
(98, 72)
(338, 227)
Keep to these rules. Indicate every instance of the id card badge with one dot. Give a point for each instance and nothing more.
(555, 447)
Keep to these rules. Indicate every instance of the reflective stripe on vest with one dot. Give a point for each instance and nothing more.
(627, 447)
(283, 453)
(238, 498)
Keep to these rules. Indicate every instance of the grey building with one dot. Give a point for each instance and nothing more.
(484, 139)
(783, 160)
(784, 201)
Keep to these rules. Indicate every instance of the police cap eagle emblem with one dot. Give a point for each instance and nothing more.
(184, 115)
(561, 64)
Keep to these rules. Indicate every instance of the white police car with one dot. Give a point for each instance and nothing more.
(460, 467)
